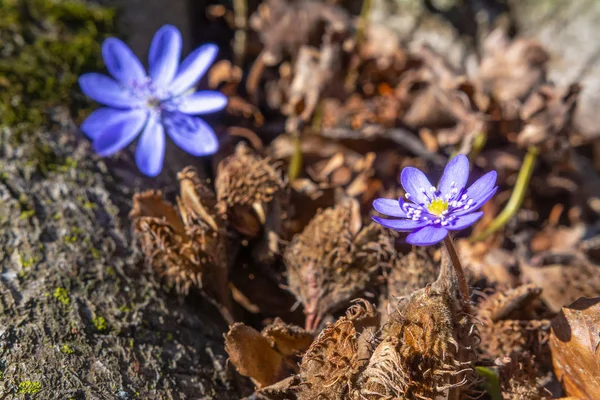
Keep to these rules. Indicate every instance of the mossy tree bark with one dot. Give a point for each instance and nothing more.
(81, 315)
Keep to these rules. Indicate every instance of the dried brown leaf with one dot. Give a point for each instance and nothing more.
(563, 277)
(575, 347)
(253, 356)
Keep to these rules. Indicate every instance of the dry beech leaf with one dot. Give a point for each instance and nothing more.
(575, 345)
(509, 71)
(334, 258)
(252, 355)
(267, 357)
(564, 277)
(508, 324)
(427, 348)
(284, 27)
(329, 366)
(487, 263)
(547, 113)
(249, 188)
(185, 244)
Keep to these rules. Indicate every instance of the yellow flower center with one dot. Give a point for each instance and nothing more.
(437, 207)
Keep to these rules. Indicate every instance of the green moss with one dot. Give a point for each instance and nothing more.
(124, 308)
(66, 349)
(100, 323)
(46, 46)
(27, 262)
(62, 295)
(27, 214)
(29, 387)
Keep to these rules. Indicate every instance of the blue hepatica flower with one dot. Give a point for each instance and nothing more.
(433, 211)
(162, 100)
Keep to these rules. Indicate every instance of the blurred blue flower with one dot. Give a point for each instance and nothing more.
(153, 103)
(433, 211)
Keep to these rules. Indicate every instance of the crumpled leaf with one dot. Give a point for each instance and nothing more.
(269, 356)
(508, 72)
(574, 342)
(334, 258)
(563, 277)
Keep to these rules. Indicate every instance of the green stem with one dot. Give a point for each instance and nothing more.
(240, 11)
(492, 383)
(363, 21)
(296, 161)
(516, 198)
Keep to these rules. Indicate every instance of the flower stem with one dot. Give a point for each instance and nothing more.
(516, 198)
(240, 10)
(460, 276)
(295, 166)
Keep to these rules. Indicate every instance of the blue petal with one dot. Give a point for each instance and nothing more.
(120, 61)
(163, 58)
(427, 236)
(192, 134)
(120, 135)
(103, 119)
(389, 207)
(477, 203)
(193, 68)
(107, 91)
(464, 221)
(402, 225)
(455, 175)
(203, 102)
(416, 184)
(482, 186)
(150, 152)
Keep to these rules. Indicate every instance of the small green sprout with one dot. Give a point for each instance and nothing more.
(62, 295)
(29, 387)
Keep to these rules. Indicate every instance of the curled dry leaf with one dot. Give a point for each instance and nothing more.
(547, 116)
(520, 379)
(508, 327)
(267, 357)
(485, 263)
(249, 190)
(563, 276)
(427, 348)
(575, 347)
(285, 26)
(509, 71)
(334, 258)
(331, 363)
(185, 244)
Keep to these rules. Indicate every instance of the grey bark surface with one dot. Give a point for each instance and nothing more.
(80, 313)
